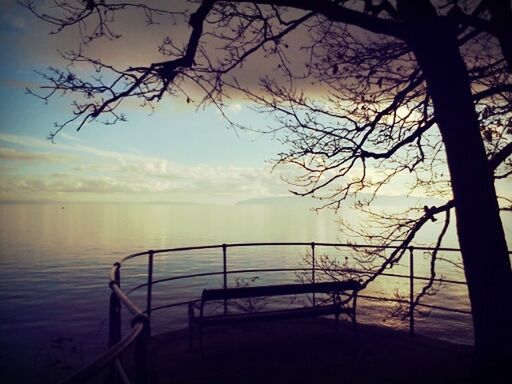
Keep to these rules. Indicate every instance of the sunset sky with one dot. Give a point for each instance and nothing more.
(177, 154)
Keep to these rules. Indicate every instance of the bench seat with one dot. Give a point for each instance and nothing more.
(335, 305)
(237, 318)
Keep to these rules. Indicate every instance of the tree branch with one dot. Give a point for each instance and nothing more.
(336, 12)
(500, 156)
(492, 91)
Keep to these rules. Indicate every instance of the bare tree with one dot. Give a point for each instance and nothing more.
(421, 88)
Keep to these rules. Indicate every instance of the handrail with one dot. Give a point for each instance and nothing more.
(241, 271)
(140, 325)
(106, 357)
(139, 333)
(136, 311)
(283, 243)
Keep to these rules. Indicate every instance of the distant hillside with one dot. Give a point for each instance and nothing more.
(285, 200)
(405, 201)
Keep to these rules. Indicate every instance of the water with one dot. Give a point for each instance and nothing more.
(55, 260)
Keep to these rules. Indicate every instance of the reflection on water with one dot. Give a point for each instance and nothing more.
(54, 264)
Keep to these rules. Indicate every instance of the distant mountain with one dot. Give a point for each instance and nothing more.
(402, 200)
(284, 200)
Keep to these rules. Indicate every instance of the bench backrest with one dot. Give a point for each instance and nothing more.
(280, 290)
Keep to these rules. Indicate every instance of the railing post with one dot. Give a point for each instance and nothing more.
(141, 350)
(115, 311)
(150, 283)
(225, 274)
(411, 291)
(313, 267)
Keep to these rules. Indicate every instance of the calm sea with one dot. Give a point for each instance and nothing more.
(55, 260)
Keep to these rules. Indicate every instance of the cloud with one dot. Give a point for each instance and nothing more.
(139, 43)
(156, 173)
(68, 183)
(79, 171)
(235, 108)
(69, 144)
(26, 141)
(194, 182)
(11, 154)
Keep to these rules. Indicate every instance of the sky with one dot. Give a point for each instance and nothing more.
(174, 154)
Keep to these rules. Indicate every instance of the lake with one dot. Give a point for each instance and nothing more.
(55, 260)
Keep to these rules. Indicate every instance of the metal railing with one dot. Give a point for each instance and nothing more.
(138, 336)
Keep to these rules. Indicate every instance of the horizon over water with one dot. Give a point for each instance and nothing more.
(55, 260)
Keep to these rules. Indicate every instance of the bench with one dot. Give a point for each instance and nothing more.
(335, 305)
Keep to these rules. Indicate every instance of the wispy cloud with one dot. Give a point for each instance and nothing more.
(68, 183)
(26, 141)
(66, 143)
(196, 184)
(86, 170)
(11, 154)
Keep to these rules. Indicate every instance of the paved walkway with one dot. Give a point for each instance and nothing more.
(307, 351)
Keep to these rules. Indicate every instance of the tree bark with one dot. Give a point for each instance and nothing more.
(479, 228)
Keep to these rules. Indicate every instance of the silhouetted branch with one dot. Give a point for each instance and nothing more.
(76, 13)
(339, 13)
(415, 226)
(150, 83)
(426, 289)
(501, 156)
(509, 201)
(496, 90)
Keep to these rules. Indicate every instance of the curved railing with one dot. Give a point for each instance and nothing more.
(138, 336)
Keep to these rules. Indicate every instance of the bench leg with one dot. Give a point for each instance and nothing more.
(191, 324)
(191, 336)
(201, 345)
(354, 322)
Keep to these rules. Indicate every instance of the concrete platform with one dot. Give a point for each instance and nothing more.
(306, 351)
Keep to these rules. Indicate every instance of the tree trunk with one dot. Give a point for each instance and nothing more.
(479, 227)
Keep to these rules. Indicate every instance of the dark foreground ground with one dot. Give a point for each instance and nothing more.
(307, 351)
